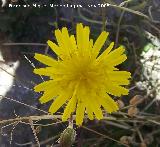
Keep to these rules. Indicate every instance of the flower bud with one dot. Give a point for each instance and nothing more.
(132, 111)
(137, 99)
(120, 103)
(67, 137)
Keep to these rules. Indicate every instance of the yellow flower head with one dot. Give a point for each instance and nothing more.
(80, 77)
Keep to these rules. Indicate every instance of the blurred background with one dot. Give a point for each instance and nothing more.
(25, 27)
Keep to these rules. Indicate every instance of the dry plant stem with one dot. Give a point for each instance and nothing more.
(118, 28)
(87, 19)
(52, 117)
(31, 63)
(47, 140)
(103, 19)
(140, 135)
(138, 132)
(141, 119)
(33, 118)
(155, 122)
(152, 26)
(7, 72)
(119, 125)
(47, 125)
(149, 105)
(23, 144)
(34, 132)
(150, 14)
(4, 97)
(3, 127)
(24, 44)
(46, 50)
(125, 2)
(71, 121)
(128, 10)
(11, 134)
(104, 136)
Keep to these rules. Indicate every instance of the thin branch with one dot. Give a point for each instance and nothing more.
(24, 44)
(4, 97)
(34, 132)
(118, 28)
(128, 10)
(104, 136)
(26, 118)
(47, 140)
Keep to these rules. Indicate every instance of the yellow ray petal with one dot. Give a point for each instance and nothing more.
(114, 54)
(48, 96)
(96, 108)
(115, 89)
(66, 41)
(45, 85)
(48, 71)
(73, 43)
(85, 45)
(79, 36)
(121, 81)
(90, 43)
(99, 43)
(72, 104)
(80, 113)
(43, 71)
(46, 60)
(59, 36)
(106, 52)
(120, 77)
(89, 112)
(90, 49)
(118, 60)
(122, 74)
(109, 104)
(54, 47)
(88, 106)
(59, 101)
(69, 109)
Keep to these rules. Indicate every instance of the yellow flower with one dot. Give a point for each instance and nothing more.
(80, 77)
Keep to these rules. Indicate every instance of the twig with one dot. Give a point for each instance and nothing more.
(104, 136)
(139, 134)
(34, 132)
(24, 44)
(152, 26)
(118, 28)
(150, 14)
(26, 118)
(4, 97)
(6, 127)
(119, 125)
(125, 2)
(46, 125)
(128, 10)
(32, 64)
(23, 144)
(14, 126)
(47, 140)
(88, 19)
(7, 72)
